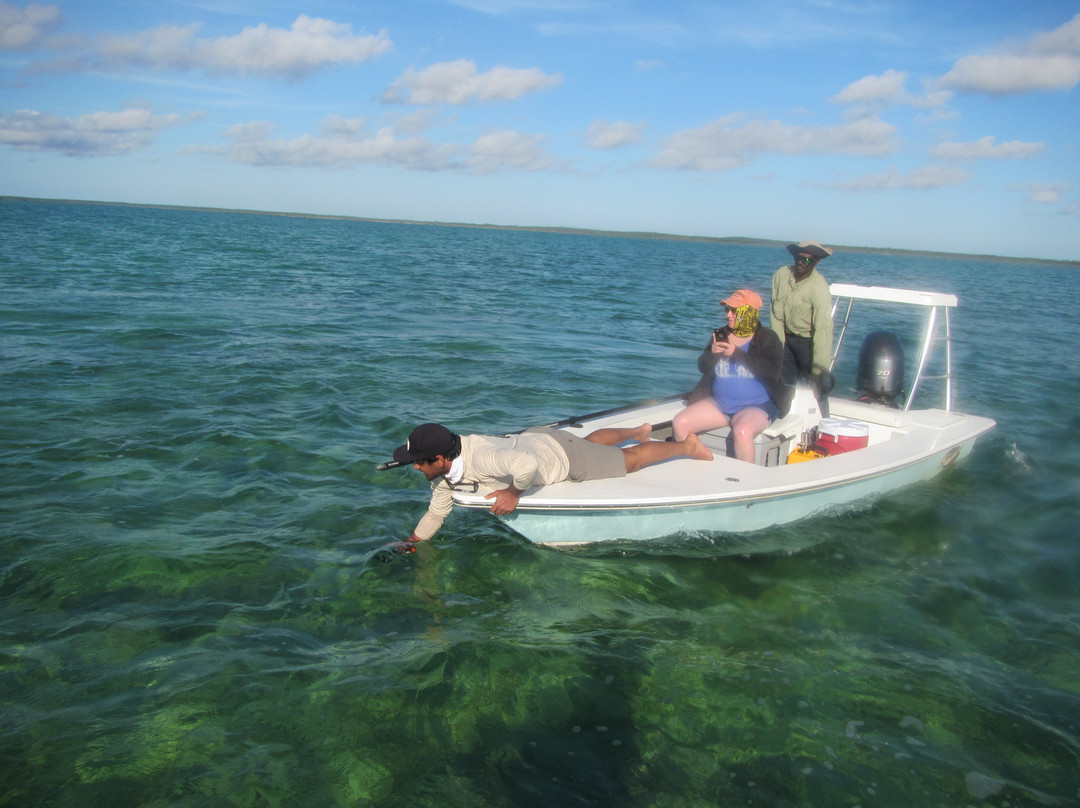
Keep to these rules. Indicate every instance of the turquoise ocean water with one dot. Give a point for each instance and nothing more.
(194, 610)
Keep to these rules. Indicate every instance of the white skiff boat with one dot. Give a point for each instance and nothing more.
(878, 442)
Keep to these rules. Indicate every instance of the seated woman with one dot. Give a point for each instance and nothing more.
(741, 384)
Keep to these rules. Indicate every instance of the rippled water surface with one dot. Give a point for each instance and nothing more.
(194, 609)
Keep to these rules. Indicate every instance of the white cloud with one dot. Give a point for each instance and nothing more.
(919, 179)
(501, 7)
(458, 83)
(604, 135)
(645, 65)
(1044, 193)
(345, 127)
(730, 142)
(888, 89)
(310, 45)
(23, 28)
(1010, 73)
(94, 135)
(509, 150)
(341, 142)
(347, 142)
(416, 120)
(986, 149)
(1046, 61)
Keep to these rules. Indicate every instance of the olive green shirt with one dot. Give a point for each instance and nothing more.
(803, 308)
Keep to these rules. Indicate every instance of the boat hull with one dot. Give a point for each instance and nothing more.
(573, 526)
(725, 495)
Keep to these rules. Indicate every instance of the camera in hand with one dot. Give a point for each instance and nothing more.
(721, 334)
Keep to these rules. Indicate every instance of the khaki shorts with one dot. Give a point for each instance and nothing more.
(588, 460)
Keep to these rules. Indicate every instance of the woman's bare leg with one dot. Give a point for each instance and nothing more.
(745, 426)
(701, 416)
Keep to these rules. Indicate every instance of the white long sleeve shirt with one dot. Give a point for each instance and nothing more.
(493, 463)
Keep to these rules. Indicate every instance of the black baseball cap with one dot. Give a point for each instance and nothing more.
(426, 441)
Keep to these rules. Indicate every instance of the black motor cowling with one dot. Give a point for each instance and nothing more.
(881, 368)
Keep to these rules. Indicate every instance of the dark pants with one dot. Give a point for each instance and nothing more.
(798, 358)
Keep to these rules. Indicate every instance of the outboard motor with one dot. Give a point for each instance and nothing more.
(881, 369)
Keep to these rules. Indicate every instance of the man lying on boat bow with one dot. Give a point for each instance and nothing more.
(510, 464)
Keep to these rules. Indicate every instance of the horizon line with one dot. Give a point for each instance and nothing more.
(743, 240)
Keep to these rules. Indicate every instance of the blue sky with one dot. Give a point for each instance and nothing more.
(947, 126)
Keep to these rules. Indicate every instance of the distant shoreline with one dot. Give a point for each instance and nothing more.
(742, 240)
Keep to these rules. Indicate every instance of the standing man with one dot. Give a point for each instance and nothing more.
(801, 315)
(509, 464)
